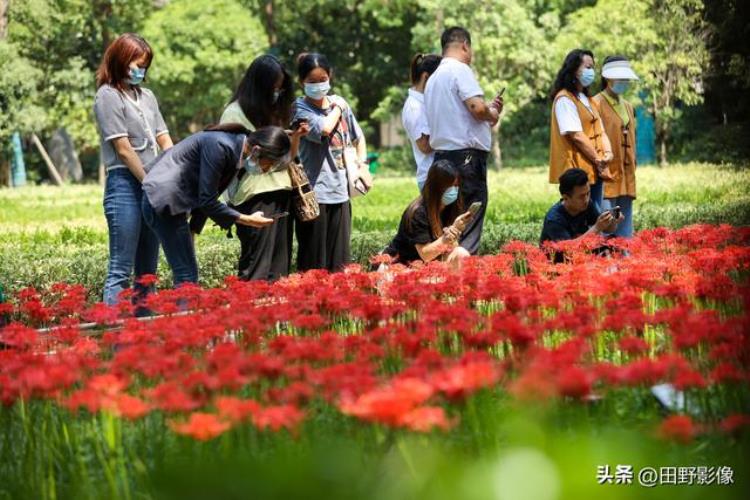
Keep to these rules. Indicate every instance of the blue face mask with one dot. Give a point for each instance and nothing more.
(251, 167)
(587, 77)
(620, 88)
(450, 195)
(136, 76)
(317, 91)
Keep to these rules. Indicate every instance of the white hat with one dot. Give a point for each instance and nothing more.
(618, 70)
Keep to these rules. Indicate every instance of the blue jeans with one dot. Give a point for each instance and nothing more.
(624, 228)
(132, 245)
(174, 235)
(597, 192)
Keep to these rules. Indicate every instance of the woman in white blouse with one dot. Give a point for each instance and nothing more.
(413, 115)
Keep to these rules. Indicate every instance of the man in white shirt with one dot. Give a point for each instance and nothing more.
(460, 123)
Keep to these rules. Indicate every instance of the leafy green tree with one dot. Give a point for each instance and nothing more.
(18, 92)
(366, 41)
(63, 41)
(201, 50)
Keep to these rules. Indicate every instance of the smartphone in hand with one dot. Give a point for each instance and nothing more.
(296, 123)
(616, 212)
(277, 216)
(474, 207)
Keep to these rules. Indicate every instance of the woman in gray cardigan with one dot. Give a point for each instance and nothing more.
(186, 181)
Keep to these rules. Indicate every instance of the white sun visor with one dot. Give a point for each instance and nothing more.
(618, 70)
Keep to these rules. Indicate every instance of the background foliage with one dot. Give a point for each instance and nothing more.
(689, 53)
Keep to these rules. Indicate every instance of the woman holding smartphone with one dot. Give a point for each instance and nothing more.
(188, 179)
(432, 224)
(324, 243)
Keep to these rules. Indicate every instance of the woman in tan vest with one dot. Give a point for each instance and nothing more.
(619, 124)
(577, 137)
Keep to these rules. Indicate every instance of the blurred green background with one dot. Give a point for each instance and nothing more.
(692, 57)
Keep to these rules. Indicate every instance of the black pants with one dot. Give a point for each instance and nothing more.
(324, 242)
(472, 167)
(266, 253)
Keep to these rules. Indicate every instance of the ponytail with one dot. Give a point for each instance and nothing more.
(416, 62)
(423, 63)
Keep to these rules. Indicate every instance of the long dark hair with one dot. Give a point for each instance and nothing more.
(566, 77)
(610, 59)
(441, 176)
(255, 93)
(273, 141)
(423, 63)
(308, 61)
(115, 64)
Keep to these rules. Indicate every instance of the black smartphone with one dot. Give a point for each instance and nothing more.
(278, 215)
(296, 123)
(502, 91)
(616, 212)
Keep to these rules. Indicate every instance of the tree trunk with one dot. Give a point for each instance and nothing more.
(663, 152)
(661, 139)
(4, 5)
(269, 21)
(64, 155)
(5, 172)
(103, 10)
(497, 153)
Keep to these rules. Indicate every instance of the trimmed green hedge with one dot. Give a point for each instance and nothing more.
(50, 234)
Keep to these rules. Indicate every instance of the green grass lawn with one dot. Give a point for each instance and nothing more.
(52, 234)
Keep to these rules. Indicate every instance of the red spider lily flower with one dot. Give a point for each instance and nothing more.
(6, 309)
(129, 407)
(344, 381)
(147, 280)
(735, 424)
(381, 258)
(388, 404)
(688, 378)
(101, 314)
(574, 382)
(107, 384)
(296, 393)
(679, 428)
(727, 373)
(236, 409)
(643, 371)
(459, 381)
(278, 417)
(18, 336)
(310, 321)
(510, 326)
(425, 419)
(85, 398)
(169, 396)
(201, 426)
(633, 345)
